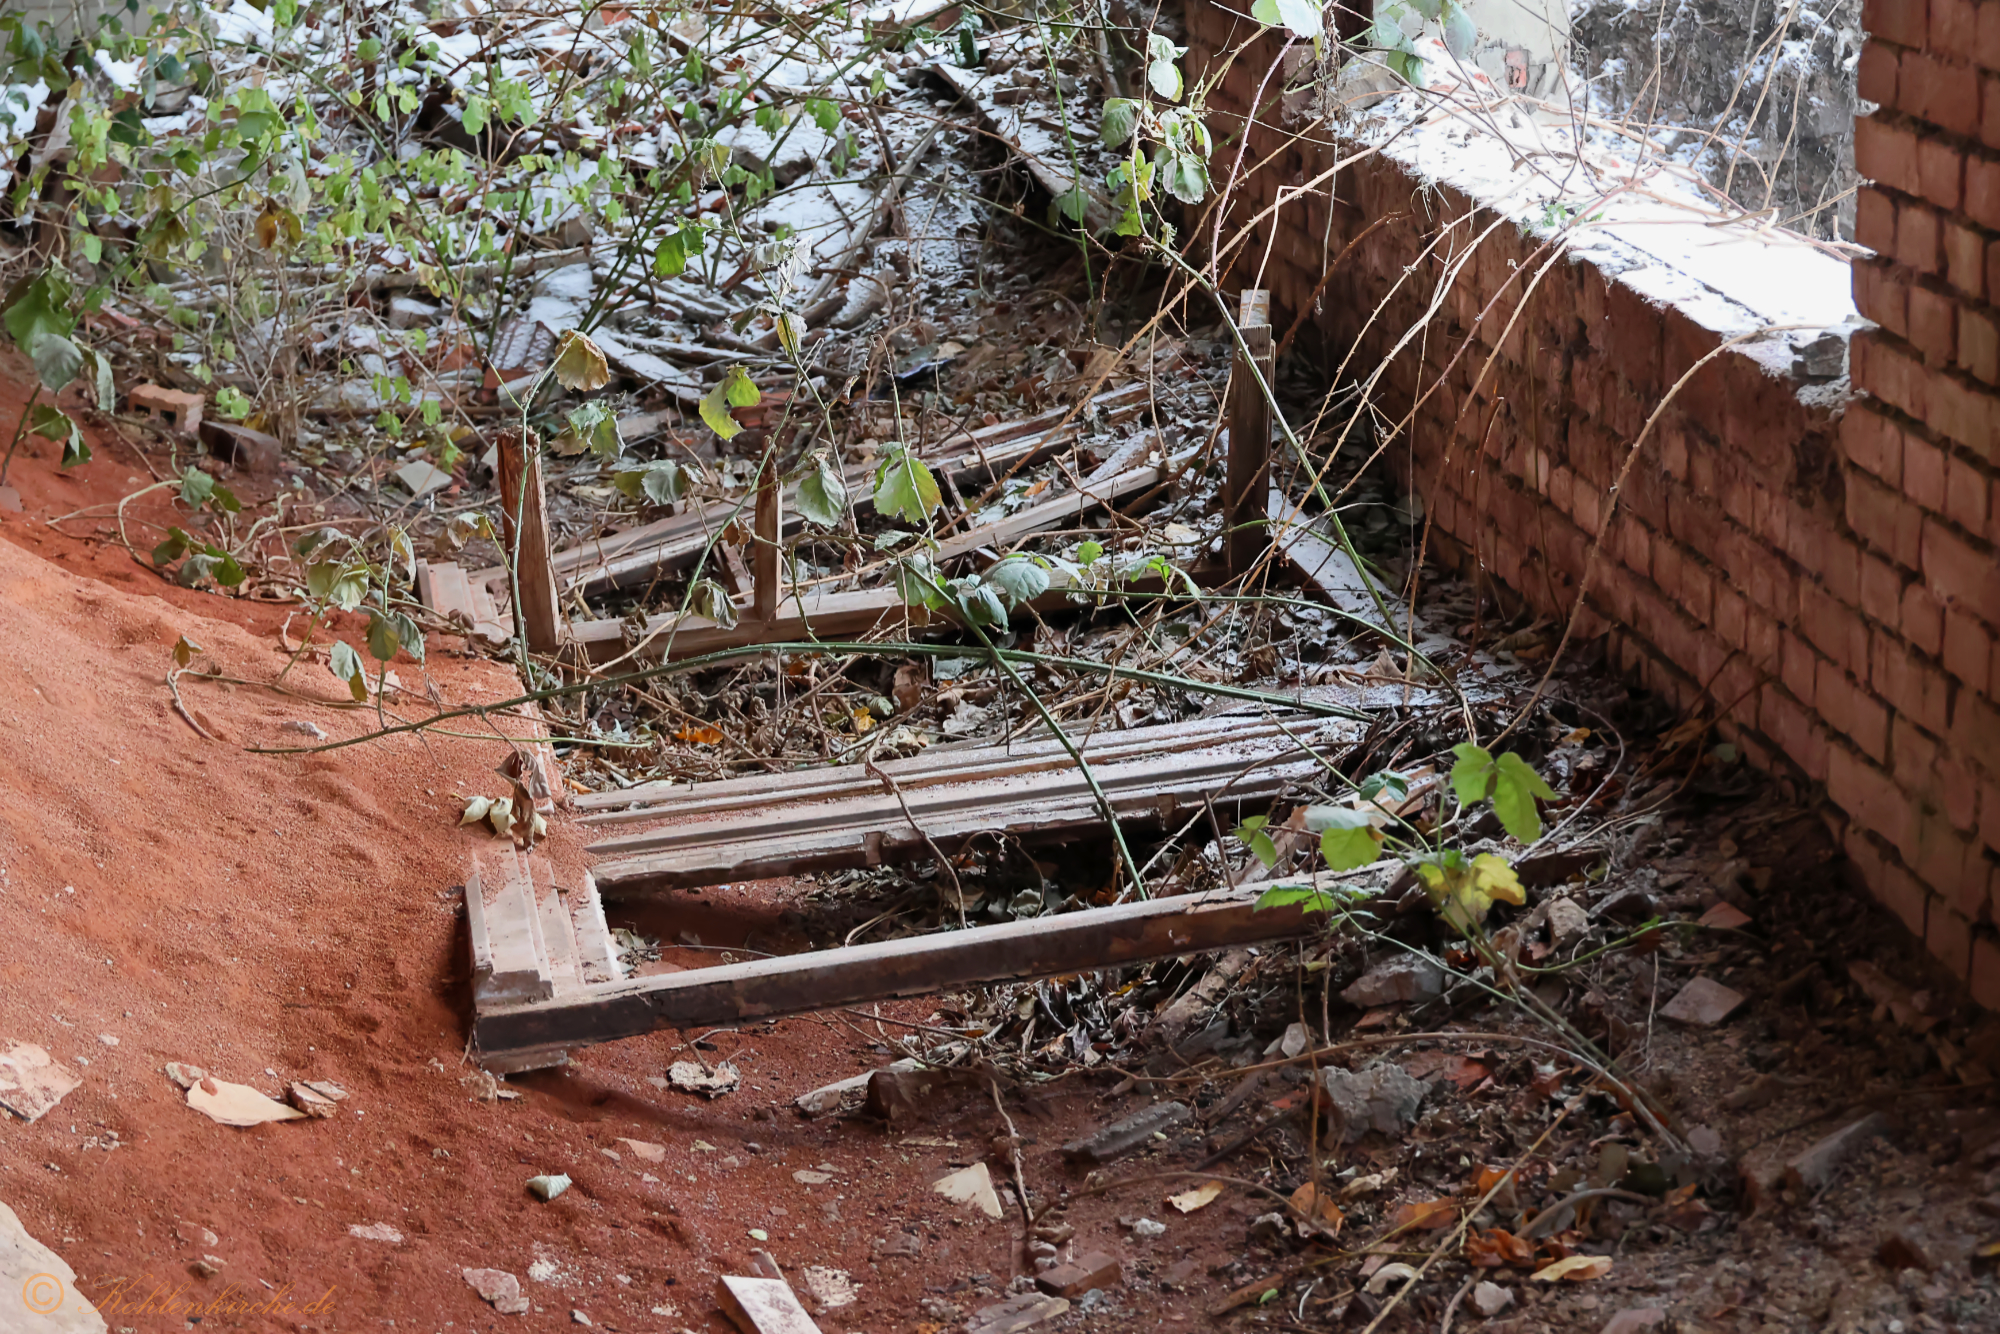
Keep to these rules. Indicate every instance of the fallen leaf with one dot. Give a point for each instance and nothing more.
(699, 736)
(1424, 1215)
(1190, 1200)
(1574, 1268)
(238, 1104)
(1317, 1207)
(1497, 1247)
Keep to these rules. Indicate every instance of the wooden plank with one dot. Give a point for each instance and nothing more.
(524, 518)
(914, 966)
(1249, 466)
(950, 764)
(1320, 565)
(815, 615)
(864, 830)
(1004, 532)
(513, 932)
(444, 587)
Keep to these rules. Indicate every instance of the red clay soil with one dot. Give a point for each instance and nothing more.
(167, 897)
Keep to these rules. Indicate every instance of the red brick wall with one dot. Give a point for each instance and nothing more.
(1824, 581)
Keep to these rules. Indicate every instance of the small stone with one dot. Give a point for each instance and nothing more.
(1630, 905)
(191, 1235)
(645, 1150)
(1703, 1002)
(498, 1288)
(1635, 1320)
(907, 1244)
(1384, 1097)
(579, 1317)
(823, 1289)
(549, 1186)
(311, 1101)
(1568, 923)
(1147, 1227)
(1085, 1274)
(1490, 1299)
(1398, 981)
(107, 1039)
(207, 1267)
(187, 1076)
(381, 1232)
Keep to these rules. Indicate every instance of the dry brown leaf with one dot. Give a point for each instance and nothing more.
(1424, 1215)
(1317, 1207)
(1190, 1200)
(1496, 1247)
(1574, 1268)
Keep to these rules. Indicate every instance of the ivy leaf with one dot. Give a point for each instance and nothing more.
(1347, 837)
(1183, 175)
(822, 495)
(1472, 773)
(389, 631)
(710, 599)
(715, 412)
(1165, 78)
(1121, 117)
(982, 605)
(184, 651)
(1072, 204)
(1306, 898)
(580, 363)
(1021, 578)
(346, 666)
(662, 481)
(1461, 34)
(1301, 16)
(904, 487)
(740, 389)
(1252, 834)
(1087, 553)
(340, 583)
(57, 360)
(171, 549)
(670, 259)
(37, 307)
(590, 429)
(1515, 787)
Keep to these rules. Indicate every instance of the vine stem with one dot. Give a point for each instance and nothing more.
(20, 430)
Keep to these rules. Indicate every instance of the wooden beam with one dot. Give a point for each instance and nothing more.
(767, 556)
(914, 966)
(525, 524)
(1249, 468)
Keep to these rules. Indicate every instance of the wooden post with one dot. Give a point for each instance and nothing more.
(1248, 477)
(523, 503)
(765, 566)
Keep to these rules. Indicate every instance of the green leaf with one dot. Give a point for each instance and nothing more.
(172, 548)
(1472, 774)
(1301, 16)
(670, 259)
(592, 429)
(580, 363)
(1165, 78)
(662, 482)
(1072, 204)
(1388, 782)
(1184, 176)
(389, 631)
(715, 412)
(904, 487)
(1461, 34)
(1121, 117)
(740, 389)
(184, 651)
(196, 488)
(338, 582)
(1515, 787)
(474, 116)
(101, 386)
(1087, 552)
(822, 495)
(1347, 837)
(232, 402)
(37, 307)
(1020, 578)
(1305, 897)
(346, 666)
(57, 360)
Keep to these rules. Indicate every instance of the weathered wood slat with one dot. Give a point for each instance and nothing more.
(817, 615)
(668, 544)
(949, 763)
(1321, 566)
(915, 966)
(850, 825)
